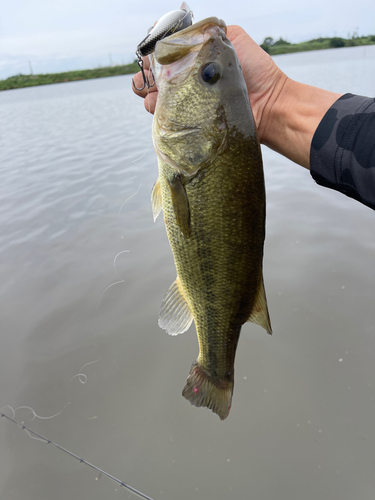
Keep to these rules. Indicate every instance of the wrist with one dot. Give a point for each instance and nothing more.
(291, 116)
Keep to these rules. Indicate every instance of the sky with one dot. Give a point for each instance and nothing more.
(59, 36)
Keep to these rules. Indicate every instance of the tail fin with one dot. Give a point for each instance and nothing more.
(201, 390)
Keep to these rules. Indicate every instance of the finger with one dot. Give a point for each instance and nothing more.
(146, 62)
(150, 102)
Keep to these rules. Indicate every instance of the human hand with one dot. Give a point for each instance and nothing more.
(260, 72)
(286, 112)
(262, 76)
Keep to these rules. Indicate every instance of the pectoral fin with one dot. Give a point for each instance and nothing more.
(175, 316)
(180, 204)
(156, 199)
(259, 315)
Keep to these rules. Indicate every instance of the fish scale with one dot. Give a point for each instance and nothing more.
(213, 200)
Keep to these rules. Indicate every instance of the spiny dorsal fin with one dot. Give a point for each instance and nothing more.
(175, 316)
(180, 204)
(259, 315)
(156, 199)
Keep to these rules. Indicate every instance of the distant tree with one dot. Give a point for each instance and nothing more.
(336, 42)
(267, 43)
(281, 41)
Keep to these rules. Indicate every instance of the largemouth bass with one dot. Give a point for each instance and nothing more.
(211, 191)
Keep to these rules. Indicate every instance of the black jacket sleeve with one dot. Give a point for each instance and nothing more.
(342, 154)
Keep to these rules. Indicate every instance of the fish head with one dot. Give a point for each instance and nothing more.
(202, 96)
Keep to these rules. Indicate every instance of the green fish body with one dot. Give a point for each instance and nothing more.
(211, 192)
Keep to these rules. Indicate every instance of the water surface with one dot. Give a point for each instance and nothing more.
(76, 172)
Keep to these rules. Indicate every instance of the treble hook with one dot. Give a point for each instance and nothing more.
(146, 81)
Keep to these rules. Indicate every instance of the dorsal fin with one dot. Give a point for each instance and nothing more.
(259, 315)
(156, 199)
(175, 316)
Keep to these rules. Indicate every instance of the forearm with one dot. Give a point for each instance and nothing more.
(293, 114)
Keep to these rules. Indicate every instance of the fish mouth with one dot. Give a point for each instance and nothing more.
(190, 39)
(175, 56)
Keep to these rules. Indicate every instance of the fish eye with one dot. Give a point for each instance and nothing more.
(210, 73)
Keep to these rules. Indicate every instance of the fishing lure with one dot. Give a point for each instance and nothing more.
(168, 24)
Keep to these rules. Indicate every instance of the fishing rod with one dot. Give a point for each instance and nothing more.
(101, 471)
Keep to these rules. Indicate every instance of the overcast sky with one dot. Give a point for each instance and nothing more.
(73, 34)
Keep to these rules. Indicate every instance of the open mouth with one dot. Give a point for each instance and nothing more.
(175, 56)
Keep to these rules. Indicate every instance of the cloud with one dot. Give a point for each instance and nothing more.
(85, 32)
(67, 44)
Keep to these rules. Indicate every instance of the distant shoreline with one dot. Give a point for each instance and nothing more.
(269, 45)
(274, 48)
(21, 81)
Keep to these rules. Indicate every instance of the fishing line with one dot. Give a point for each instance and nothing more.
(97, 469)
(35, 415)
(120, 279)
(82, 377)
(140, 184)
(140, 158)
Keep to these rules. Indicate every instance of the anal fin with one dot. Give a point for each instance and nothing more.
(259, 315)
(175, 315)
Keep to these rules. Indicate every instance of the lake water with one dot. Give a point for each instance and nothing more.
(83, 270)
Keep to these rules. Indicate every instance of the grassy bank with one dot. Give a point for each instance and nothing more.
(19, 81)
(284, 47)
